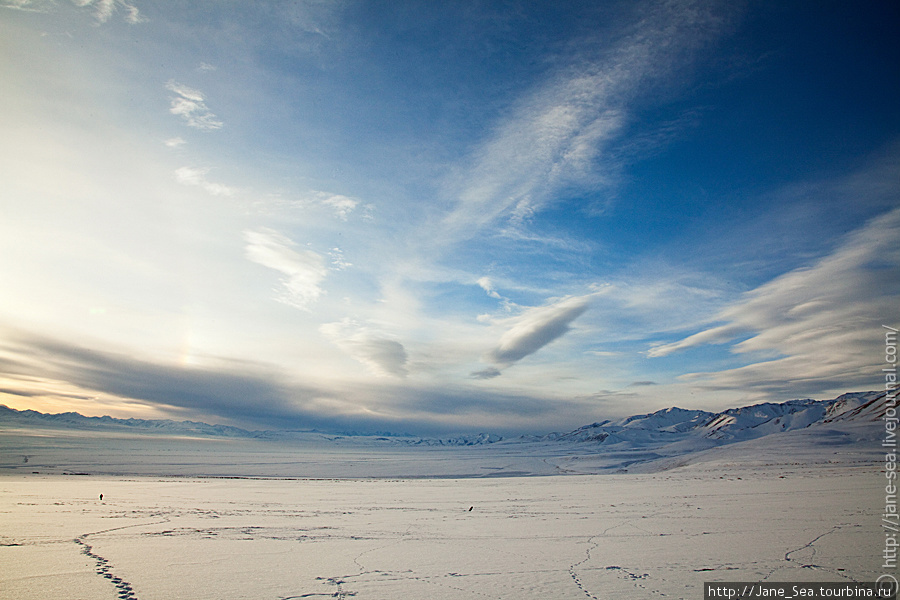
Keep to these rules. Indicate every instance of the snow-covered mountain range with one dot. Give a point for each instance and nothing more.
(847, 430)
(732, 425)
(660, 428)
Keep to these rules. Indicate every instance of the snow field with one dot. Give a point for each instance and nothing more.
(608, 536)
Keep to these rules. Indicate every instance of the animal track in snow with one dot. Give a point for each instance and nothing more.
(104, 569)
(125, 591)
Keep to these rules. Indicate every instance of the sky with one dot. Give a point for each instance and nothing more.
(421, 217)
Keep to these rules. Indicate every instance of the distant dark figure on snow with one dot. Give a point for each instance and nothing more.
(470, 508)
(101, 497)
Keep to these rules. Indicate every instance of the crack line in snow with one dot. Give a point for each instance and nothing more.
(623, 573)
(811, 547)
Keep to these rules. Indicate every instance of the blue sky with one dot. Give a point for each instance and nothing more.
(444, 217)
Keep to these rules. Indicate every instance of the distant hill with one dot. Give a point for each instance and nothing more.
(72, 420)
(31, 419)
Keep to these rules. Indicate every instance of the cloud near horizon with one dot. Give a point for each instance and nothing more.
(813, 324)
(252, 395)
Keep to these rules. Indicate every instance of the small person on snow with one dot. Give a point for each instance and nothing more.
(101, 497)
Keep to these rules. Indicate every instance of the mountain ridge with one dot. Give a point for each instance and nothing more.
(668, 425)
(847, 430)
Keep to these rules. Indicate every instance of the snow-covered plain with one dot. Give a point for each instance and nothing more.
(589, 536)
(217, 517)
(606, 536)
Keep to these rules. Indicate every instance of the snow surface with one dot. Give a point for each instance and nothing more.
(607, 536)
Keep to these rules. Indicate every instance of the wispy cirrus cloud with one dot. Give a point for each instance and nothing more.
(190, 105)
(103, 9)
(337, 205)
(560, 136)
(197, 177)
(342, 205)
(487, 285)
(303, 270)
(27, 5)
(813, 329)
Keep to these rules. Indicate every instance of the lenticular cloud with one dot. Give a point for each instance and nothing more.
(537, 328)
(382, 356)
